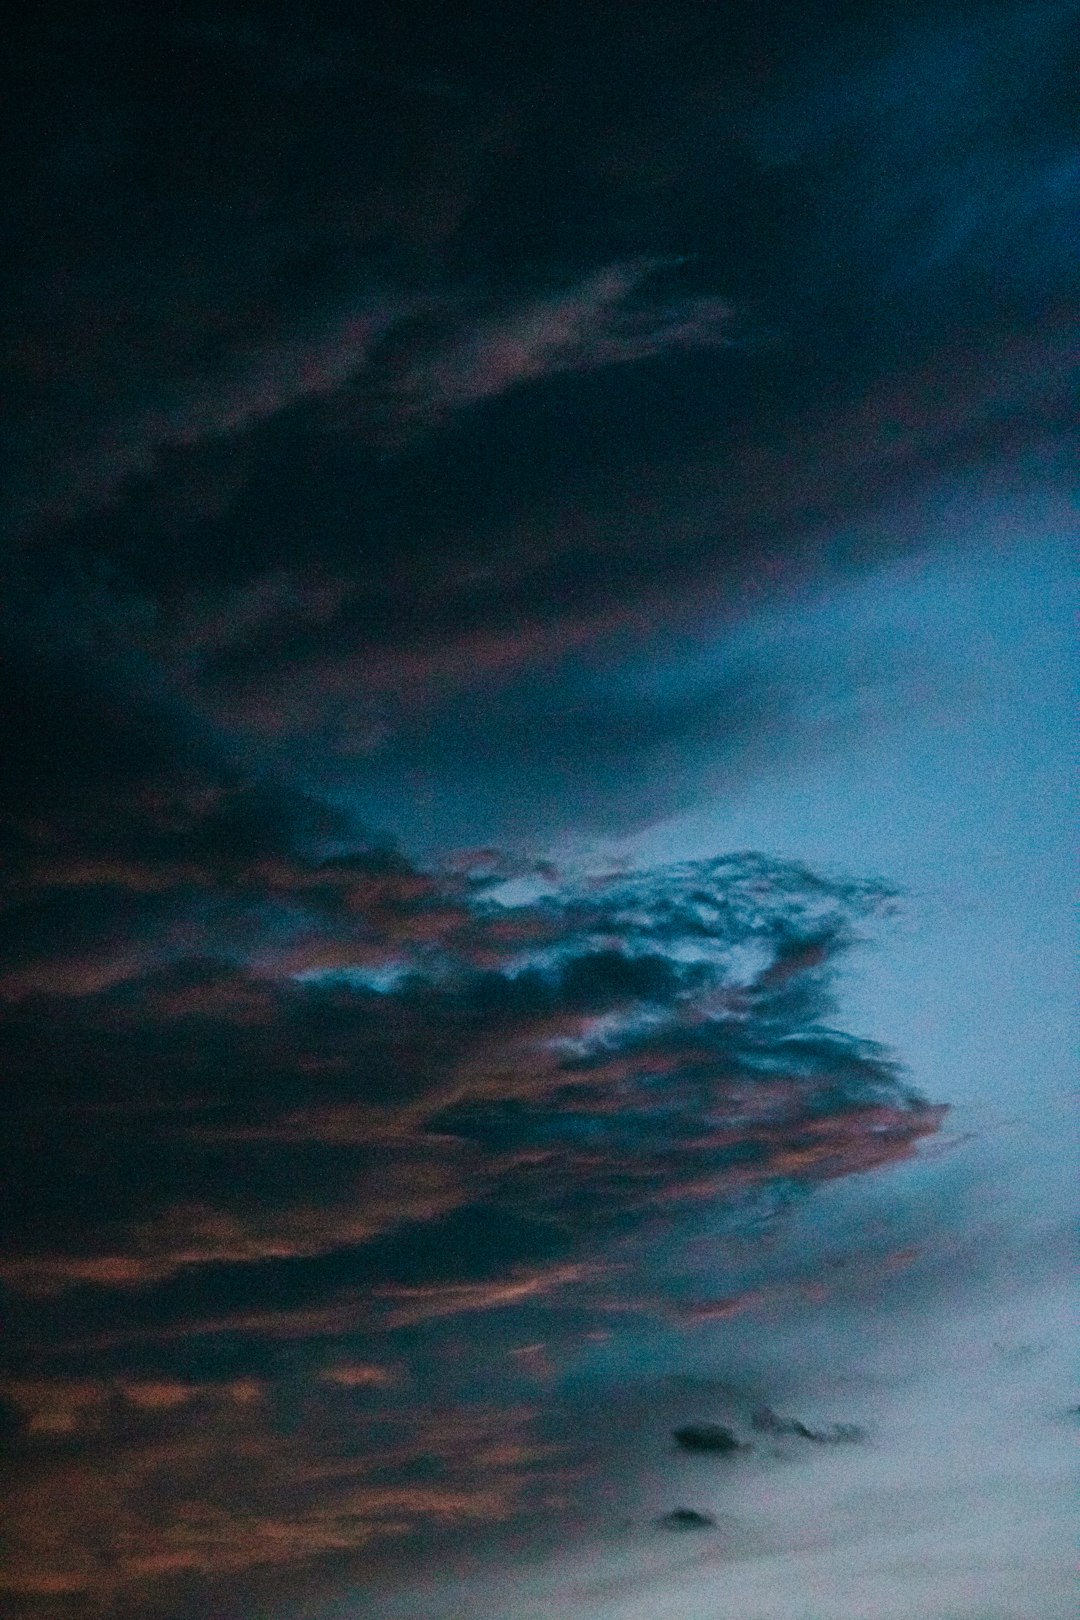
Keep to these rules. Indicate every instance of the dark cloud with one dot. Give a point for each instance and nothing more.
(686, 1519)
(707, 1437)
(388, 394)
(352, 467)
(285, 350)
(295, 1152)
(766, 1421)
(293, 1119)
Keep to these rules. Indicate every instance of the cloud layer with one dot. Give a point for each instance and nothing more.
(406, 409)
(309, 1120)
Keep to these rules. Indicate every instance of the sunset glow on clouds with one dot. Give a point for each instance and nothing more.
(535, 834)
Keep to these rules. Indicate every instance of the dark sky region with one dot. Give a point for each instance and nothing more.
(535, 810)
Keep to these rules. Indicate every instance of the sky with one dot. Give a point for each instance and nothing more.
(537, 982)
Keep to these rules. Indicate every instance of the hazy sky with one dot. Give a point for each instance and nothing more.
(537, 836)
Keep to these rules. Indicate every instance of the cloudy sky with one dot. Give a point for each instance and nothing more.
(535, 958)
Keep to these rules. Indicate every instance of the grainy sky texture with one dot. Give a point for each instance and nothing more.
(535, 968)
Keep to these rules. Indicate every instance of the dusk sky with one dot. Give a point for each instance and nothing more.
(537, 838)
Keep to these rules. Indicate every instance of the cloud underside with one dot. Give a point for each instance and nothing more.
(297, 1177)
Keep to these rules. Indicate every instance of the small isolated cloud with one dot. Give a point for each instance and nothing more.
(682, 1518)
(709, 1438)
(766, 1421)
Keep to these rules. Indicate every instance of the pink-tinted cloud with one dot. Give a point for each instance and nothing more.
(609, 318)
(406, 1306)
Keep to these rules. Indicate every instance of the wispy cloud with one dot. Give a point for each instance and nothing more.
(611, 317)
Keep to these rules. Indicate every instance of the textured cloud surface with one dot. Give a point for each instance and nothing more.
(361, 1109)
(444, 442)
